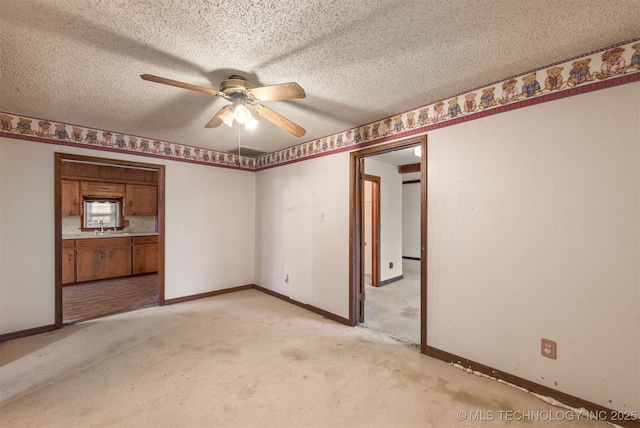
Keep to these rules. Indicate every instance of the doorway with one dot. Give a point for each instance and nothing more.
(102, 270)
(371, 224)
(358, 253)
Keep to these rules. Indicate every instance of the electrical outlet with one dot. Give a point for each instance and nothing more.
(548, 348)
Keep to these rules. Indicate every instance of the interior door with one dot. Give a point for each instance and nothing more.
(375, 228)
(360, 214)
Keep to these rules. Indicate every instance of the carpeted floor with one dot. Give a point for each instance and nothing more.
(394, 309)
(243, 359)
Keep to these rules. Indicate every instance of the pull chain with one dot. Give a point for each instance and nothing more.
(239, 144)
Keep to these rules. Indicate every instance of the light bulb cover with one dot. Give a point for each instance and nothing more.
(251, 123)
(227, 117)
(418, 151)
(242, 114)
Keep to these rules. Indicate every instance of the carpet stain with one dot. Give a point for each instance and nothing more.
(296, 354)
(246, 393)
(414, 376)
(119, 419)
(155, 342)
(409, 312)
(468, 399)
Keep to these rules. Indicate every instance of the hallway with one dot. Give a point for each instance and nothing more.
(394, 309)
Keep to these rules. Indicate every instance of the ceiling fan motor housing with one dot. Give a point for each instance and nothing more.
(235, 85)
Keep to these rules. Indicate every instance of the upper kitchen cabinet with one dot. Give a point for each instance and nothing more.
(97, 188)
(141, 200)
(70, 197)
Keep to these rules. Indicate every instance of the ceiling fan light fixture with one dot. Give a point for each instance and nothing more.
(241, 113)
(251, 123)
(246, 99)
(227, 117)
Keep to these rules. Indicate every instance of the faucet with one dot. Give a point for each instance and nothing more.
(101, 227)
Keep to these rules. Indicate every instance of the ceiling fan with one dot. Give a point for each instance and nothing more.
(245, 98)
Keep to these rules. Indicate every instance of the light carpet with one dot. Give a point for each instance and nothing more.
(243, 359)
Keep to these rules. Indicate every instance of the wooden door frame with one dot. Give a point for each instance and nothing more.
(375, 227)
(356, 175)
(59, 158)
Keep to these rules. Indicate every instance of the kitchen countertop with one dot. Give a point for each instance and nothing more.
(90, 235)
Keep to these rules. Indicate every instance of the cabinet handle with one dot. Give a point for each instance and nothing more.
(110, 254)
(131, 203)
(69, 256)
(138, 252)
(75, 202)
(102, 254)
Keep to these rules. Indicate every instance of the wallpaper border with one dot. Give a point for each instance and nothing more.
(615, 65)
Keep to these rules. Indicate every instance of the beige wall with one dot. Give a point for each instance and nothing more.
(209, 235)
(390, 216)
(302, 215)
(534, 232)
(411, 220)
(27, 284)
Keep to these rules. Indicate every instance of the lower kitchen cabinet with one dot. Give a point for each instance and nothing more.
(119, 261)
(145, 254)
(102, 258)
(68, 261)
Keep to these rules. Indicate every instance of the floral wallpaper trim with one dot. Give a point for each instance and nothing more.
(612, 66)
(45, 131)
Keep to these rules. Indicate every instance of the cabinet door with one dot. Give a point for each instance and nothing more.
(103, 189)
(145, 258)
(68, 263)
(119, 261)
(91, 264)
(141, 200)
(70, 197)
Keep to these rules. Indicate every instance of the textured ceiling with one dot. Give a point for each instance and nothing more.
(78, 61)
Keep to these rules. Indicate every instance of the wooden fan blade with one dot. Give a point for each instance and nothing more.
(182, 85)
(282, 91)
(224, 114)
(279, 120)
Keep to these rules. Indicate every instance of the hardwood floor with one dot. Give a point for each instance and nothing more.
(94, 299)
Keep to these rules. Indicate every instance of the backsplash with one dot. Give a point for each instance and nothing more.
(137, 224)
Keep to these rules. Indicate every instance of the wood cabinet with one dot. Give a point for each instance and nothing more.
(145, 254)
(68, 261)
(70, 197)
(102, 258)
(91, 263)
(141, 200)
(119, 260)
(96, 188)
